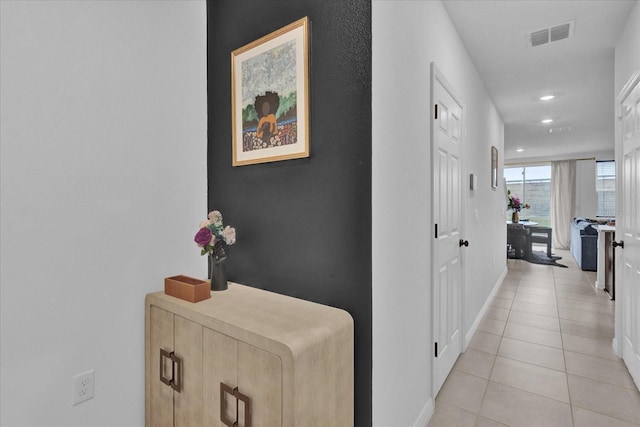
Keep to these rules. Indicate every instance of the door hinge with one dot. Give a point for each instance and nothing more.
(436, 110)
(436, 236)
(436, 350)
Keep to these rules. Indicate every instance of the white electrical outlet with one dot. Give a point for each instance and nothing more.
(82, 387)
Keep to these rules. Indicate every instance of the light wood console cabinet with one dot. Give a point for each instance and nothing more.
(249, 357)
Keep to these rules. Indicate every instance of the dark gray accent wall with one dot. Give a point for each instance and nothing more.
(303, 226)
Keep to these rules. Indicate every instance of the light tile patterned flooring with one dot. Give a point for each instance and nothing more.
(541, 356)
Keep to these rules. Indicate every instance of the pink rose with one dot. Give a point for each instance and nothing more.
(203, 237)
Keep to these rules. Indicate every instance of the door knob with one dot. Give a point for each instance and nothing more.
(464, 242)
(616, 244)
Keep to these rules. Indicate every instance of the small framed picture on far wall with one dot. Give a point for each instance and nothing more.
(494, 167)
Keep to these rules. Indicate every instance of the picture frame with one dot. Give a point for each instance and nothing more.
(494, 167)
(270, 97)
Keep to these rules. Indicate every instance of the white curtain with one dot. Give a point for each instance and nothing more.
(563, 201)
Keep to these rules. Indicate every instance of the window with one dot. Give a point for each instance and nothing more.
(532, 184)
(606, 188)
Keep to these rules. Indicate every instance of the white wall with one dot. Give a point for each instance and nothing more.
(104, 181)
(407, 37)
(627, 56)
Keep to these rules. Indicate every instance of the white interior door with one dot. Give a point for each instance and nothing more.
(446, 133)
(628, 230)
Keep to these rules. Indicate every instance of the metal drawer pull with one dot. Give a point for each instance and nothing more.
(225, 389)
(164, 354)
(176, 384)
(223, 405)
(247, 407)
(176, 365)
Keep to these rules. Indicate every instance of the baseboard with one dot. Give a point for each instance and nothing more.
(425, 414)
(616, 349)
(634, 370)
(485, 307)
(631, 360)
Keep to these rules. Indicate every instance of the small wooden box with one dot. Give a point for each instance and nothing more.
(187, 288)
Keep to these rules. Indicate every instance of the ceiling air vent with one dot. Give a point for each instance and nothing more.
(551, 34)
(538, 38)
(561, 32)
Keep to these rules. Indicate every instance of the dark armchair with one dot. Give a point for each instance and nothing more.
(541, 235)
(518, 240)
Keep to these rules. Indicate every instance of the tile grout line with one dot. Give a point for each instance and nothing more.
(564, 356)
(494, 364)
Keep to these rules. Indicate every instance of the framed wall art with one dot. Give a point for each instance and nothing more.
(270, 97)
(494, 167)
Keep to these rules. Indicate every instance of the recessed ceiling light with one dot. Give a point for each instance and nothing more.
(520, 150)
(545, 121)
(547, 97)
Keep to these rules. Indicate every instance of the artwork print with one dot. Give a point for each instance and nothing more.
(494, 167)
(270, 97)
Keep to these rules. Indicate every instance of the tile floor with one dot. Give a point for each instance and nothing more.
(541, 356)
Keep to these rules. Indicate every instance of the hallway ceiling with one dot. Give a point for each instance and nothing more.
(579, 71)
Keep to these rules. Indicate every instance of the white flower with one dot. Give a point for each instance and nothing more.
(229, 235)
(215, 218)
(205, 224)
